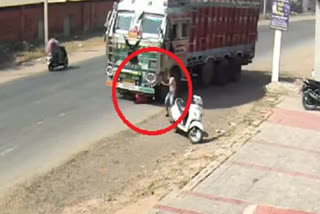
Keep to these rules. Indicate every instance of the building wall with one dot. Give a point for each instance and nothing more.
(25, 23)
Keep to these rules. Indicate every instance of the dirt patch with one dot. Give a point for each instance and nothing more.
(16, 53)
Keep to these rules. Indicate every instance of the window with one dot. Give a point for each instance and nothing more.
(173, 32)
(151, 24)
(184, 32)
(124, 21)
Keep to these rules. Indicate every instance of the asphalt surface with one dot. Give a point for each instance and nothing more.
(46, 118)
(297, 34)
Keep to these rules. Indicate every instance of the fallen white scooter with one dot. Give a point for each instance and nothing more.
(191, 124)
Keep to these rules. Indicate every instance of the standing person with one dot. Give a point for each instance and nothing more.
(172, 91)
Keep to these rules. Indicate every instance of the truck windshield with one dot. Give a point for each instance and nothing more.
(124, 21)
(151, 24)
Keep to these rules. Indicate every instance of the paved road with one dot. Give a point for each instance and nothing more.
(299, 32)
(47, 117)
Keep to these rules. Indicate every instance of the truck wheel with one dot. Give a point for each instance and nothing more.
(236, 70)
(207, 73)
(222, 74)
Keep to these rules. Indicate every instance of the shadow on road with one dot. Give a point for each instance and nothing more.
(206, 139)
(249, 89)
(73, 67)
(69, 68)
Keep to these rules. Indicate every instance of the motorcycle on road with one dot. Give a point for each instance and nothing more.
(58, 59)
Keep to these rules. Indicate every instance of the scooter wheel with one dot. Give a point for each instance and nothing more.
(50, 67)
(195, 135)
(308, 102)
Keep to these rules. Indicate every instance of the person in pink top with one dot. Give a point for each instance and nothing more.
(52, 46)
(56, 50)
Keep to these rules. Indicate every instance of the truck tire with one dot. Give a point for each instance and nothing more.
(222, 74)
(236, 70)
(207, 73)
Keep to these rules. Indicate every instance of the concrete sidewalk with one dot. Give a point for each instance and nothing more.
(277, 171)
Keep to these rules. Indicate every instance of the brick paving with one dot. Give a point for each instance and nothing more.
(276, 172)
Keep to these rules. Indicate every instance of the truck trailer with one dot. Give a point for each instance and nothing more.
(213, 38)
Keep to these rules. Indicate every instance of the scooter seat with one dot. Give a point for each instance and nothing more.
(313, 83)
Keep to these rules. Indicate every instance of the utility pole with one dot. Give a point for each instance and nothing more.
(316, 68)
(264, 8)
(276, 56)
(46, 33)
(279, 22)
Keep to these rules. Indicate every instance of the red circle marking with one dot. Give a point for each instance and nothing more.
(115, 101)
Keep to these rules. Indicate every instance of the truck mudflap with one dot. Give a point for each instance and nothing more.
(132, 88)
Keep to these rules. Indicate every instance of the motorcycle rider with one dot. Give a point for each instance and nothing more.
(56, 50)
(171, 94)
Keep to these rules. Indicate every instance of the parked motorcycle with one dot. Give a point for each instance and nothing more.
(310, 94)
(54, 60)
(192, 122)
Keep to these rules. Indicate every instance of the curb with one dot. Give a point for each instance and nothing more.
(264, 209)
(251, 209)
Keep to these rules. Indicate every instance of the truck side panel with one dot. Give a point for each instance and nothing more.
(222, 25)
